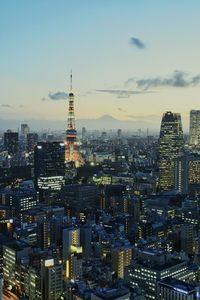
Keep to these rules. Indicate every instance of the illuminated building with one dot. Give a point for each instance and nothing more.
(121, 258)
(72, 153)
(32, 284)
(170, 288)
(187, 173)
(52, 283)
(70, 239)
(74, 266)
(49, 166)
(152, 266)
(20, 199)
(12, 255)
(170, 146)
(194, 134)
(11, 142)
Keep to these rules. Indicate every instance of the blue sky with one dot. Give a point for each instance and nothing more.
(42, 40)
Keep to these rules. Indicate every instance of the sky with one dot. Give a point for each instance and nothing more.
(131, 59)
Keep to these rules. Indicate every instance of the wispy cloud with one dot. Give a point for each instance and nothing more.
(123, 93)
(144, 117)
(121, 109)
(137, 43)
(178, 79)
(6, 105)
(57, 96)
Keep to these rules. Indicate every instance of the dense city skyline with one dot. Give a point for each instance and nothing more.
(131, 60)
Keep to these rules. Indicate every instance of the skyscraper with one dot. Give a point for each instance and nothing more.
(11, 142)
(49, 164)
(194, 137)
(187, 172)
(25, 129)
(170, 146)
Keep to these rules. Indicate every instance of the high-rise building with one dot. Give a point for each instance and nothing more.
(83, 134)
(187, 234)
(170, 146)
(11, 142)
(25, 129)
(32, 139)
(70, 239)
(43, 234)
(121, 258)
(187, 173)
(49, 164)
(72, 151)
(194, 134)
(52, 283)
(12, 255)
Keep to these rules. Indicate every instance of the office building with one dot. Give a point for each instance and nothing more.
(173, 289)
(51, 279)
(12, 256)
(49, 166)
(152, 266)
(11, 142)
(20, 199)
(187, 234)
(194, 134)
(79, 197)
(187, 173)
(32, 140)
(70, 240)
(25, 129)
(43, 234)
(121, 258)
(170, 146)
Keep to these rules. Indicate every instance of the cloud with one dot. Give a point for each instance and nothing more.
(144, 117)
(21, 106)
(121, 109)
(6, 105)
(57, 96)
(137, 43)
(123, 93)
(177, 79)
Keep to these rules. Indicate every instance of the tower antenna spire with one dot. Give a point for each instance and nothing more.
(71, 81)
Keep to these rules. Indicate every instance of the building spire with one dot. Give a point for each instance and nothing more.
(71, 81)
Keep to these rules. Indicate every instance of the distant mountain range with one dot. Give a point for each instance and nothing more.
(105, 122)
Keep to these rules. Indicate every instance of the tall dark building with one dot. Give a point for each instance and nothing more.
(170, 146)
(49, 166)
(32, 139)
(11, 142)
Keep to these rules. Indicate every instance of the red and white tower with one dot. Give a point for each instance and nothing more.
(72, 153)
